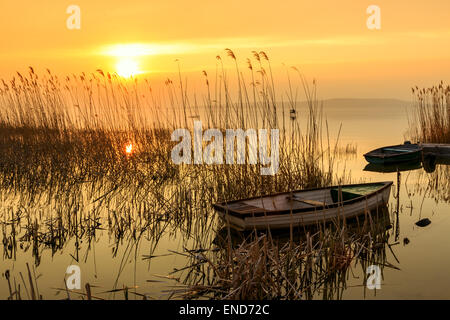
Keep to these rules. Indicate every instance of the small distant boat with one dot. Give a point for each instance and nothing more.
(406, 152)
(304, 207)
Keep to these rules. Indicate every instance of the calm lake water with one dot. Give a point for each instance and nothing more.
(423, 260)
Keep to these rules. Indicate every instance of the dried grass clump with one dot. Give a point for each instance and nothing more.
(263, 266)
(431, 118)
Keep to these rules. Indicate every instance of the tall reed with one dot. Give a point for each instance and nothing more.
(64, 172)
(431, 117)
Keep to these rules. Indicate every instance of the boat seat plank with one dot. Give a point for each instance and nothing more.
(310, 202)
(244, 208)
(398, 150)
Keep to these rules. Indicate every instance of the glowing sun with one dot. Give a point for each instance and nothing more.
(129, 148)
(127, 67)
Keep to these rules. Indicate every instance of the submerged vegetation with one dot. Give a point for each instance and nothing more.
(91, 153)
(315, 263)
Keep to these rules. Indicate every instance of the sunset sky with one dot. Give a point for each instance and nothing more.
(327, 39)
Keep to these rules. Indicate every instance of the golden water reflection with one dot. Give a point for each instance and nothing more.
(147, 246)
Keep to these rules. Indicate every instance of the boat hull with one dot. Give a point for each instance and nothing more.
(401, 158)
(395, 154)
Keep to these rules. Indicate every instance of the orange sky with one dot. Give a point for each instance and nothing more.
(327, 39)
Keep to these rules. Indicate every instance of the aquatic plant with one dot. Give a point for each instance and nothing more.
(430, 120)
(67, 170)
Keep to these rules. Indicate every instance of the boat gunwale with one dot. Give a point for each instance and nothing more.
(221, 206)
(380, 155)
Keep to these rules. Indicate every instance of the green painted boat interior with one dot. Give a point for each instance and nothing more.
(352, 192)
(398, 150)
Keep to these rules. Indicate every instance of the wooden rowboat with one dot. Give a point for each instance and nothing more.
(407, 152)
(304, 207)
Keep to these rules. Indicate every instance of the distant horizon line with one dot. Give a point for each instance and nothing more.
(359, 98)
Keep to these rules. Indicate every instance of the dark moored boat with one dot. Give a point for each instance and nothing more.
(304, 207)
(407, 152)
